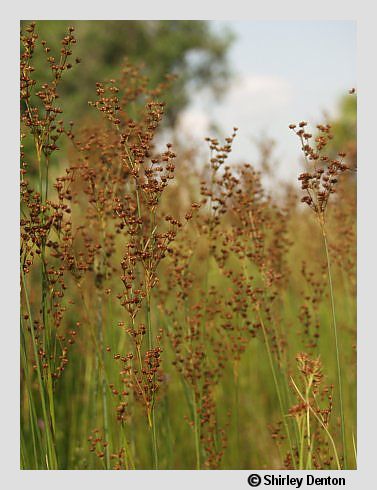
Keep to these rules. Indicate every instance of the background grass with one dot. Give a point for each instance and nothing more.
(61, 418)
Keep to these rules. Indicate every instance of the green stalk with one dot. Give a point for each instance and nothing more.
(32, 414)
(236, 412)
(301, 424)
(103, 380)
(127, 450)
(337, 350)
(152, 419)
(154, 436)
(51, 459)
(196, 429)
(271, 361)
(354, 449)
(23, 452)
(44, 296)
(322, 425)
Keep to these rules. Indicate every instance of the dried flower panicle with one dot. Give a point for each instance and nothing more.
(46, 224)
(319, 182)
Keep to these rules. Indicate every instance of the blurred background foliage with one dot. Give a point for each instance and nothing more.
(345, 129)
(189, 49)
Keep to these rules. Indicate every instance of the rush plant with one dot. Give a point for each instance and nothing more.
(175, 311)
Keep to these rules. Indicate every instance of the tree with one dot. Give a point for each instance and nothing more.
(344, 129)
(189, 49)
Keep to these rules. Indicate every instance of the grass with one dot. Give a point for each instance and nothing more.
(176, 315)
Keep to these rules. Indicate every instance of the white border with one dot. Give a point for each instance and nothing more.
(367, 328)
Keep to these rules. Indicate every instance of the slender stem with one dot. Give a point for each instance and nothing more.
(127, 450)
(104, 390)
(337, 350)
(51, 459)
(354, 448)
(236, 412)
(152, 419)
(271, 361)
(308, 432)
(301, 424)
(322, 424)
(154, 439)
(196, 429)
(32, 414)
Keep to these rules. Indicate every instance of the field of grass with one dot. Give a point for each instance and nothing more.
(177, 315)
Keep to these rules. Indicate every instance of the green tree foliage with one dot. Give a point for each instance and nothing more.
(344, 129)
(189, 49)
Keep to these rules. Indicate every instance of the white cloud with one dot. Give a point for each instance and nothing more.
(249, 98)
(194, 122)
(259, 93)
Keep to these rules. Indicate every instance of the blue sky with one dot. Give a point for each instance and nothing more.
(285, 71)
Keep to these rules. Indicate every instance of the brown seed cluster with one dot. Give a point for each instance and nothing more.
(47, 236)
(171, 278)
(319, 183)
(99, 446)
(314, 405)
(41, 116)
(243, 232)
(126, 182)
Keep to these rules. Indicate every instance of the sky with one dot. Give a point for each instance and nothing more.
(285, 72)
